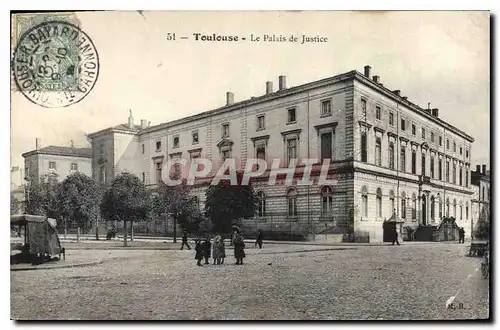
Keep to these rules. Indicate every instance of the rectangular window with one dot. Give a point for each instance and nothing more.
(158, 145)
(448, 144)
(74, 166)
(378, 113)
(460, 176)
(52, 165)
(261, 152)
(142, 148)
(326, 146)
(391, 155)
(440, 141)
(378, 152)
(226, 154)
(158, 172)
(363, 108)
(440, 168)
(102, 174)
(195, 137)
(101, 149)
(403, 159)
(454, 147)
(432, 137)
(292, 115)
(466, 178)
(176, 141)
(261, 122)
(466, 153)
(292, 207)
(326, 107)
(364, 153)
(391, 118)
(291, 149)
(447, 171)
(225, 130)
(403, 124)
(413, 129)
(454, 173)
(423, 133)
(432, 167)
(143, 177)
(413, 162)
(423, 165)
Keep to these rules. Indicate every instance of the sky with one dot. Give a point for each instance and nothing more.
(437, 57)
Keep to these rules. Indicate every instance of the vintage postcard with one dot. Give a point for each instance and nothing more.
(250, 165)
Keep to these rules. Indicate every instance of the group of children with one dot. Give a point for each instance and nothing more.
(218, 249)
(203, 249)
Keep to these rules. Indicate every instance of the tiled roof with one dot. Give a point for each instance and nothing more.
(62, 151)
(125, 127)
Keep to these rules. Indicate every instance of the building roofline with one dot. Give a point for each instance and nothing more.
(353, 74)
(62, 153)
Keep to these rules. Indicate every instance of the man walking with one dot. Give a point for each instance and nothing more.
(185, 240)
(258, 241)
(394, 236)
(461, 235)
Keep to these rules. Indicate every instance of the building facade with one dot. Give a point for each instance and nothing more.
(387, 155)
(55, 163)
(481, 206)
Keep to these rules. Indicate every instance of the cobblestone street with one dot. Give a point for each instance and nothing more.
(279, 282)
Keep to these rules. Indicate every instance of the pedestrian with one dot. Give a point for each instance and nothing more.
(222, 250)
(394, 236)
(206, 250)
(258, 241)
(199, 252)
(239, 247)
(185, 240)
(461, 235)
(216, 250)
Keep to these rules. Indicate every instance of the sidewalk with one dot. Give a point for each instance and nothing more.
(70, 262)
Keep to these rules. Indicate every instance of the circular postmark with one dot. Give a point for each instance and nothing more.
(55, 64)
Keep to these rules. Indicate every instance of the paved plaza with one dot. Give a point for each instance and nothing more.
(281, 281)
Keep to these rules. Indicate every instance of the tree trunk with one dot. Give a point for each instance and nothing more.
(131, 231)
(97, 229)
(78, 234)
(125, 233)
(65, 228)
(175, 230)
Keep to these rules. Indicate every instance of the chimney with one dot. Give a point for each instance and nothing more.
(149, 123)
(397, 92)
(478, 169)
(282, 83)
(269, 87)
(429, 106)
(72, 143)
(130, 120)
(229, 98)
(405, 98)
(435, 112)
(37, 144)
(376, 79)
(484, 170)
(367, 71)
(144, 123)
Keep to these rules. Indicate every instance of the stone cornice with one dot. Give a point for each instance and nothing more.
(378, 129)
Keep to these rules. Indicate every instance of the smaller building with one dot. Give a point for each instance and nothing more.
(55, 163)
(480, 180)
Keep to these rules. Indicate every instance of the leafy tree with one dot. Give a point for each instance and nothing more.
(177, 202)
(227, 204)
(127, 200)
(79, 198)
(482, 230)
(41, 198)
(14, 204)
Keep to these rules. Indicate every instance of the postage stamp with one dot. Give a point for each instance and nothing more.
(55, 64)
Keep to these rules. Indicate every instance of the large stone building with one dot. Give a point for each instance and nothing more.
(55, 163)
(388, 155)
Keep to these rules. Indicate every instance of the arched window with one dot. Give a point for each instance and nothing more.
(433, 208)
(466, 211)
(447, 207)
(413, 207)
(455, 208)
(403, 205)
(440, 205)
(461, 210)
(379, 202)
(326, 200)
(261, 199)
(291, 197)
(364, 201)
(391, 202)
(483, 195)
